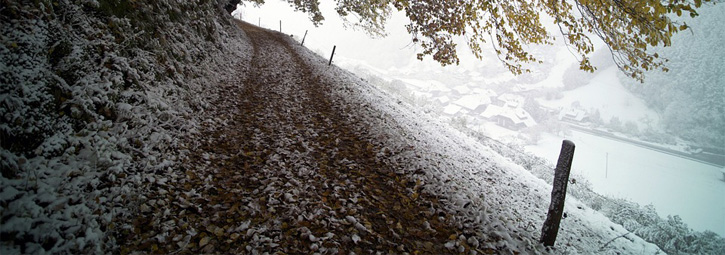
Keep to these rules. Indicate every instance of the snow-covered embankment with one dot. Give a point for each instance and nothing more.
(97, 98)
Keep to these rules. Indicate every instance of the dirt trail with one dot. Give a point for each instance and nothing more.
(292, 172)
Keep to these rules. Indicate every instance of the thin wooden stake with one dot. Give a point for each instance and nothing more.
(280, 26)
(558, 194)
(333, 54)
(303, 38)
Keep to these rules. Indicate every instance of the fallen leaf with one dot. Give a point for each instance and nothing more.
(204, 241)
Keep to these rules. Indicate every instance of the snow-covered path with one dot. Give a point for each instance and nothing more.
(302, 158)
(294, 170)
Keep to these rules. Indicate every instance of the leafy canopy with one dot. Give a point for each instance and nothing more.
(628, 27)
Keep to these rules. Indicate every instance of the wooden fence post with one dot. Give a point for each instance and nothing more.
(558, 194)
(280, 26)
(303, 39)
(333, 54)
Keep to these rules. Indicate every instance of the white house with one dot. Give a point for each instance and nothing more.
(510, 100)
(443, 100)
(474, 103)
(462, 89)
(509, 116)
(452, 110)
(575, 115)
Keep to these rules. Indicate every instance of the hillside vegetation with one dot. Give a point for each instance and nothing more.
(96, 98)
(690, 97)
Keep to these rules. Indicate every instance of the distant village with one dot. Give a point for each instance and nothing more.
(509, 108)
(505, 110)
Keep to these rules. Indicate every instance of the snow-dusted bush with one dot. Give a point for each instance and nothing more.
(552, 93)
(96, 98)
(574, 77)
(630, 128)
(651, 135)
(615, 124)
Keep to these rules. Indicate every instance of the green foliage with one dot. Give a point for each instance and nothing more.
(628, 27)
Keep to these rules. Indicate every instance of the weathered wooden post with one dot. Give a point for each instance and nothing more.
(332, 55)
(558, 194)
(280, 26)
(303, 39)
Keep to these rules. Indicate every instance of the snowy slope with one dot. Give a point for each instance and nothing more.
(612, 98)
(606, 94)
(97, 99)
(114, 113)
(489, 196)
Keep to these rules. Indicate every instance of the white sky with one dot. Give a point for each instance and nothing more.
(394, 50)
(350, 43)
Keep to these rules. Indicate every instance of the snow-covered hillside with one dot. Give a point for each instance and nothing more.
(489, 195)
(690, 96)
(104, 102)
(97, 98)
